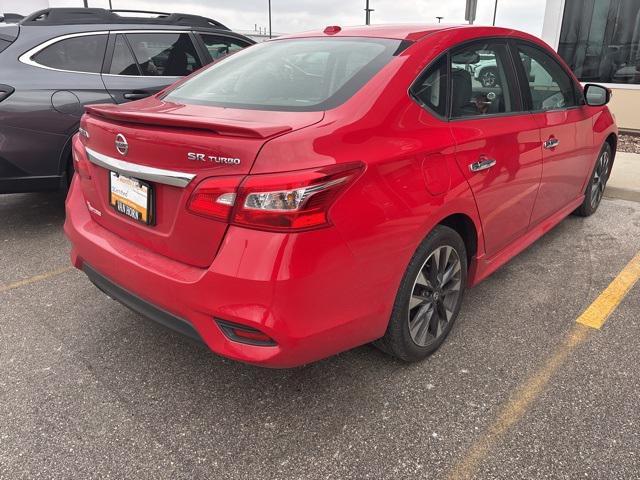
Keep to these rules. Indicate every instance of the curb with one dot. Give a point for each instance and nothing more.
(622, 194)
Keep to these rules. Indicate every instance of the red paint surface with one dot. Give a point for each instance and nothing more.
(326, 290)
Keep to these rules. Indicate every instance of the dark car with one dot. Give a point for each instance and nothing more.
(57, 60)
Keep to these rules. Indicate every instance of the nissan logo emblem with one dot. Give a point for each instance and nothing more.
(121, 144)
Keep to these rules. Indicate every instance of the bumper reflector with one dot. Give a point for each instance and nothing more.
(243, 334)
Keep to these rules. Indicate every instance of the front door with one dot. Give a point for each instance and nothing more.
(565, 129)
(497, 143)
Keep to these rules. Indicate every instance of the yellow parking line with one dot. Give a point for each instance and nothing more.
(35, 278)
(530, 390)
(607, 301)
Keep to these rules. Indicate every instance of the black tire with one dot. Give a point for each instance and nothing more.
(597, 182)
(400, 338)
(68, 176)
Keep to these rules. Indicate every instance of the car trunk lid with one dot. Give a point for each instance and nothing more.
(171, 148)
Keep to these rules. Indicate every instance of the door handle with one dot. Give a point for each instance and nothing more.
(482, 164)
(553, 142)
(136, 95)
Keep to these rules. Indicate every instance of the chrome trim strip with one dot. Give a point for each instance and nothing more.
(152, 174)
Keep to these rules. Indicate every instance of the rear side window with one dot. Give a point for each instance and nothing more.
(164, 54)
(78, 54)
(550, 87)
(306, 74)
(431, 87)
(480, 81)
(220, 46)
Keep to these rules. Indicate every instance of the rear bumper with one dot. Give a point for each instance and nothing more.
(305, 291)
(137, 304)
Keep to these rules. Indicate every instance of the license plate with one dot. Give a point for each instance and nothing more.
(131, 197)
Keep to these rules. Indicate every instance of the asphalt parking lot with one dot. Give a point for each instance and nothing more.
(90, 390)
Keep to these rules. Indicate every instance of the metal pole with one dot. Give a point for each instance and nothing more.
(367, 13)
(439, 19)
(495, 11)
(269, 18)
(86, 3)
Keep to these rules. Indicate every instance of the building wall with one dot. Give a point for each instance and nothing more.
(625, 103)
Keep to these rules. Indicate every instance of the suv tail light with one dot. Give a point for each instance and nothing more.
(290, 201)
(5, 91)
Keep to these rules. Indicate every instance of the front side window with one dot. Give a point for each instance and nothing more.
(307, 74)
(220, 46)
(600, 40)
(77, 54)
(480, 81)
(164, 54)
(550, 87)
(431, 87)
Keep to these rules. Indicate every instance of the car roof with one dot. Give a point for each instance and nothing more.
(410, 32)
(98, 16)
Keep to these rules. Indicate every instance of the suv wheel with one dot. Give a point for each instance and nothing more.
(489, 77)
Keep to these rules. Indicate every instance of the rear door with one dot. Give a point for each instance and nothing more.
(142, 63)
(497, 143)
(565, 126)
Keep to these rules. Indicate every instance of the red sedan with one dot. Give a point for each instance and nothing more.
(329, 189)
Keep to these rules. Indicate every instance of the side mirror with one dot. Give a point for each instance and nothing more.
(596, 95)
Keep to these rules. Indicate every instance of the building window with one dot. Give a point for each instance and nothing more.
(600, 40)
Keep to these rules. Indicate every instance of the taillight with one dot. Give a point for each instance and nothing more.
(298, 200)
(5, 91)
(215, 197)
(294, 200)
(80, 162)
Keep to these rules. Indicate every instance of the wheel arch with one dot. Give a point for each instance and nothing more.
(466, 228)
(612, 140)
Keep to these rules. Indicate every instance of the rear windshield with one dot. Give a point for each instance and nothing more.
(292, 75)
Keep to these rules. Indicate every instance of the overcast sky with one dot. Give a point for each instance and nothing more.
(296, 15)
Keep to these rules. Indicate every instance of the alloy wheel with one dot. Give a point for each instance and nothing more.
(434, 296)
(488, 79)
(600, 177)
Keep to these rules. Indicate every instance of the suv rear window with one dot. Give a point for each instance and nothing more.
(77, 54)
(306, 74)
(4, 44)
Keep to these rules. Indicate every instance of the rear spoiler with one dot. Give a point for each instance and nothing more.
(221, 126)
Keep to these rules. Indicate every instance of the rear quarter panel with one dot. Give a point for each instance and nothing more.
(411, 181)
